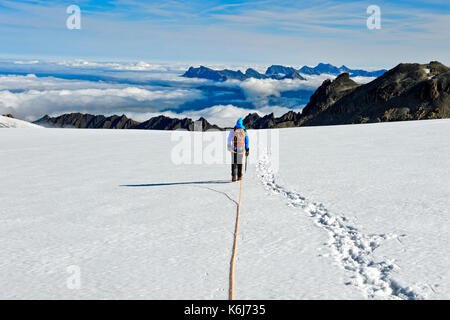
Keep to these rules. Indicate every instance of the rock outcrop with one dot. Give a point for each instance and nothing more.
(87, 121)
(407, 92)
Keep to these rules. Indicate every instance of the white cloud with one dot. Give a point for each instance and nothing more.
(26, 62)
(123, 66)
(29, 97)
(259, 90)
(363, 80)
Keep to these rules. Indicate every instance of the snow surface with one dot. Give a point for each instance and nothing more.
(354, 212)
(6, 122)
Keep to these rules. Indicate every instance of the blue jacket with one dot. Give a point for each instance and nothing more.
(230, 136)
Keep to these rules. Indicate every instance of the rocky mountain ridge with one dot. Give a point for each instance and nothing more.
(89, 121)
(410, 91)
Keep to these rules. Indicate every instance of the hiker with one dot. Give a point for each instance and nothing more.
(237, 144)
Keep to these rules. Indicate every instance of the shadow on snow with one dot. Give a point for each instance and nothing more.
(177, 183)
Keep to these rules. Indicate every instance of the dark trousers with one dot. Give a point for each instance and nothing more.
(237, 159)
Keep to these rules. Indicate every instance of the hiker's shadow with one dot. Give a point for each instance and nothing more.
(177, 183)
(194, 183)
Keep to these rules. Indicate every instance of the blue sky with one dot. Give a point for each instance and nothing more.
(239, 32)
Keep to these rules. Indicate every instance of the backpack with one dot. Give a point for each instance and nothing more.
(238, 140)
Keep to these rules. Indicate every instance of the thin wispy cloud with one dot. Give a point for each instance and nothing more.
(288, 32)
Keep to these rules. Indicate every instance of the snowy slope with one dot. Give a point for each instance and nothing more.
(390, 181)
(6, 122)
(354, 212)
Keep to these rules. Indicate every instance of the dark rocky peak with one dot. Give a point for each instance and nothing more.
(407, 92)
(250, 119)
(327, 68)
(252, 73)
(204, 73)
(275, 70)
(290, 116)
(165, 123)
(206, 125)
(436, 67)
(294, 76)
(398, 80)
(215, 75)
(343, 81)
(413, 71)
(231, 74)
(319, 69)
(308, 70)
(118, 122)
(328, 93)
(254, 121)
(289, 119)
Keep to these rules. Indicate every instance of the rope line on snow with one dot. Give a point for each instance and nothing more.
(235, 242)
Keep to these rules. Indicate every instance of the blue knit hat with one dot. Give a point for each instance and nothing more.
(240, 122)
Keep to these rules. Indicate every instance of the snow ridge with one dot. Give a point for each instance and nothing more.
(6, 122)
(350, 248)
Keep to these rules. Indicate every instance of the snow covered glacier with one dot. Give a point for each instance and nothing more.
(353, 212)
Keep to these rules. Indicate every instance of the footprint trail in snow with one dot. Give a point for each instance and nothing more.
(352, 249)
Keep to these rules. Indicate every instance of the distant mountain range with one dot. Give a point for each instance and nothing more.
(407, 92)
(323, 68)
(277, 72)
(89, 121)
